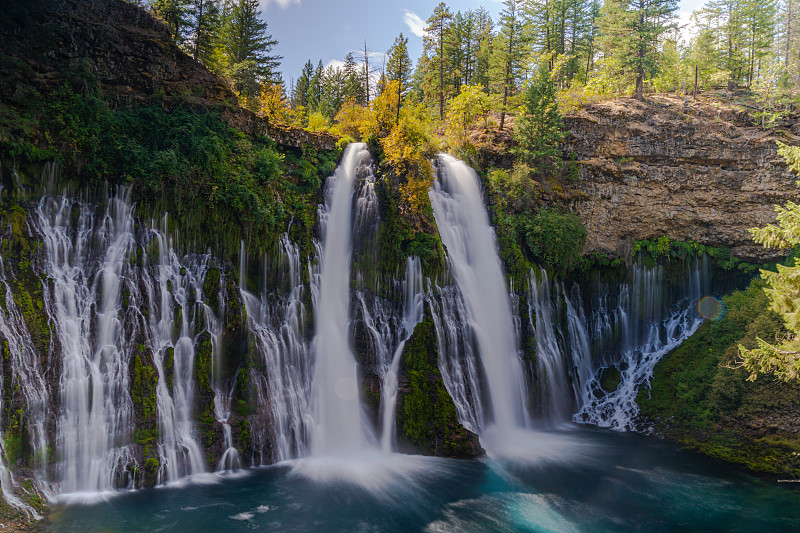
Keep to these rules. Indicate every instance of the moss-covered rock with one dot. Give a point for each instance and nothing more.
(426, 415)
(610, 378)
(700, 399)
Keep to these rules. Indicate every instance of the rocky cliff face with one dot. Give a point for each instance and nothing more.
(698, 171)
(130, 54)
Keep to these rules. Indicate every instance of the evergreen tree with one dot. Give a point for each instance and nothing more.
(354, 89)
(634, 29)
(511, 49)
(783, 358)
(398, 68)
(206, 24)
(725, 19)
(248, 47)
(482, 48)
(540, 128)
(435, 41)
(302, 88)
(175, 13)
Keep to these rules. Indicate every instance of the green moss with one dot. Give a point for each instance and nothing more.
(169, 367)
(211, 286)
(426, 414)
(13, 447)
(143, 396)
(202, 361)
(151, 465)
(610, 379)
(397, 239)
(241, 394)
(666, 248)
(699, 397)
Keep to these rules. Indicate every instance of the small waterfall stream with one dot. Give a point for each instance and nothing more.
(172, 294)
(95, 421)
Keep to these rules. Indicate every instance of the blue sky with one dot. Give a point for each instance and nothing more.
(329, 29)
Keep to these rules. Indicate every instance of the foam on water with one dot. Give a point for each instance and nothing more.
(379, 473)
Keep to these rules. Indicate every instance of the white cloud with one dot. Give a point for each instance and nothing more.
(414, 23)
(283, 4)
(335, 63)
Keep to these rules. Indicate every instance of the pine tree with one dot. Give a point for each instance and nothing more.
(175, 13)
(511, 48)
(540, 128)
(302, 87)
(248, 47)
(398, 68)
(206, 24)
(435, 41)
(634, 29)
(781, 359)
(725, 18)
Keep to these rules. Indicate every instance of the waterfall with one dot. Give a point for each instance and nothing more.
(95, 424)
(171, 294)
(413, 302)
(553, 395)
(223, 388)
(339, 429)
(27, 375)
(653, 323)
(276, 324)
(464, 227)
(458, 356)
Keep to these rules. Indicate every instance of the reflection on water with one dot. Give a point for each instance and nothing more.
(607, 482)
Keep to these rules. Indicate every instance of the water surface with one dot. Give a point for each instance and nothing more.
(598, 480)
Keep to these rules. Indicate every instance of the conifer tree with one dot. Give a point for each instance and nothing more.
(780, 358)
(634, 29)
(398, 68)
(205, 25)
(435, 41)
(175, 13)
(248, 47)
(540, 128)
(511, 48)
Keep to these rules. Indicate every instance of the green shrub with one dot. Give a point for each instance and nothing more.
(553, 237)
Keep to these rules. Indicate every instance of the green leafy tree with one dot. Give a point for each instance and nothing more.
(540, 129)
(462, 111)
(782, 358)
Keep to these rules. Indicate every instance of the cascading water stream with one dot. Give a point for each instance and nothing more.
(464, 227)
(648, 335)
(551, 364)
(338, 430)
(171, 292)
(458, 360)
(25, 368)
(412, 314)
(96, 406)
(276, 325)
